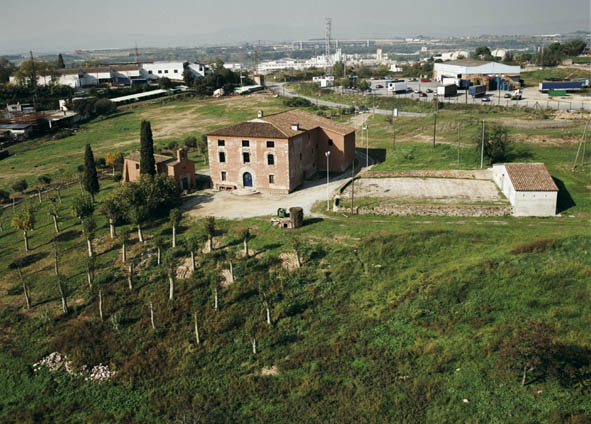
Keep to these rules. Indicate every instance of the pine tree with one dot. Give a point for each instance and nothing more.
(90, 177)
(147, 162)
(60, 62)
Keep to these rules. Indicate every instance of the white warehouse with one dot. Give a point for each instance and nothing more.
(529, 188)
(468, 69)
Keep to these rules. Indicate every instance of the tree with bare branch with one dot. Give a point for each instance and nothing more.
(124, 240)
(110, 209)
(89, 229)
(210, 230)
(245, 236)
(171, 264)
(24, 221)
(175, 218)
(54, 212)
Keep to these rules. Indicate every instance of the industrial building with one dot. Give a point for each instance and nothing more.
(493, 75)
(529, 188)
(276, 153)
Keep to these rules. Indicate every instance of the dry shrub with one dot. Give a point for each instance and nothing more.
(537, 246)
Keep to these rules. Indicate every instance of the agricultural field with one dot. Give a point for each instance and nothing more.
(387, 319)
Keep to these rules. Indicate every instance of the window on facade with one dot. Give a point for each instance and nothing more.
(150, 72)
(270, 160)
(137, 166)
(246, 157)
(166, 71)
(223, 175)
(245, 143)
(270, 144)
(271, 179)
(329, 142)
(222, 156)
(176, 71)
(221, 143)
(159, 71)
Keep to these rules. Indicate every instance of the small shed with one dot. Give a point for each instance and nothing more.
(16, 130)
(529, 188)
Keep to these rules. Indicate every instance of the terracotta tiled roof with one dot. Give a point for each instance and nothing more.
(250, 129)
(280, 125)
(530, 177)
(306, 121)
(135, 156)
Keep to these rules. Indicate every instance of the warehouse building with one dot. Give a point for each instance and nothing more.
(490, 74)
(529, 188)
(276, 153)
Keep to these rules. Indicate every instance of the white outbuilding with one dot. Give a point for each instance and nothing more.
(529, 188)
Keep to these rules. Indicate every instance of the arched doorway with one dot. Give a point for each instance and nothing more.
(247, 179)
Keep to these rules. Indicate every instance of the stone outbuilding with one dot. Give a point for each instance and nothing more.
(276, 153)
(529, 188)
(181, 169)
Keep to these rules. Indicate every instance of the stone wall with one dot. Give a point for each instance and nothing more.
(478, 174)
(431, 210)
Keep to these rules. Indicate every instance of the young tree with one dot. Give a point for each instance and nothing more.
(60, 62)
(90, 268)
(82, 207)
(44, 181)
(147, 161)
(114, 160)
(138, 215)
(20, 187)
(245, 236)
(152, 316)
(24, 221)
(197, 339)
(171, 265)
(89, 229)
(100, 304)
(110, 209)
(498, 146)
(59, 277)
(130, 271)
(210, 230)
(175, 217)
(193, 243)
(123, 240)
(26, 290)
(90, 178)
(54, 212)
(254, 329)
(159, 244)
(298, 248)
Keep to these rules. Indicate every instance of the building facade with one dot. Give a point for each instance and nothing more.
(529, 188)
(477, 72)
(181, 169)
(276, 153)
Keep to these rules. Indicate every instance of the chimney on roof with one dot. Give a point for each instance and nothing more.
(181, 155)
(295, 127)
(260, 114)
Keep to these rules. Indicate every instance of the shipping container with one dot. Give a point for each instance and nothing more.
(477, 90)
(545, 86)
(557, 93)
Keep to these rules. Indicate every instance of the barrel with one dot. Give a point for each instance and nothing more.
(296, 217)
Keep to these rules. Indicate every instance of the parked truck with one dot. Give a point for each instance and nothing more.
(397, 87)
(477, 90)
(447, 90)
(516, 95)
(546, 86)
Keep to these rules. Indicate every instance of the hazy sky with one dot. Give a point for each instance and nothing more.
(53, 25)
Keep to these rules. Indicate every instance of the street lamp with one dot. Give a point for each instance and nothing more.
(327, 154)
(366, 129)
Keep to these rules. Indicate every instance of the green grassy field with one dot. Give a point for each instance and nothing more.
(390, 319)
(532, 78)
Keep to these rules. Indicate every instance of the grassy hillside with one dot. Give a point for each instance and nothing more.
(389, 319)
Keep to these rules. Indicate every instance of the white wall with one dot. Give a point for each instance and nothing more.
(170, 70)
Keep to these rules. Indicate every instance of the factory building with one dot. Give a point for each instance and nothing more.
(490, 74)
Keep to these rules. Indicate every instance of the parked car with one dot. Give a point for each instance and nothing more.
(486, 99)
(417, 90)
(507, 95)
(425, 80)
(428, 90)
(421, 94)
(363, 109)
(412, 80)
(409, 90)
(379, 86)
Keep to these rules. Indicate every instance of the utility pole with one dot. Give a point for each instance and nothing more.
(352, 183)
(583, 142)
(435, 121)
(327, 154)
(137, 54)
(458, 144)
(393, 131)
(482, 148)
(34, 79)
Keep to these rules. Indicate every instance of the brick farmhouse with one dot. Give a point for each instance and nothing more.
(276, 153)
(181, 169)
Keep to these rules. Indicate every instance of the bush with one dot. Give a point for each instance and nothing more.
(105, 107)
(117, 177)
(20, 186)
(101, 163)
(4, 196)
(296, 102)
(4, 154)
(172, 145)
(190, 142)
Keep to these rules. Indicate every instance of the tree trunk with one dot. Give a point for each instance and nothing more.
(298, 259)
(139, 234)
(210, 244)
(112, 228)
(100, 304)
(113, 171)
(59, 194)
(193, 267)
(268, 316)
(90, 251)
(25, 289)
(215, 299)
(123, 253)
(524, 375)
(89, 276)
(57, 228)
(130, 276)
(173, 236)
(62, 294)
(152, 316)
(159, 256)
(196, 329)
(1, 228)
(231, 271)
(171, 287)
(26, 241)
(246, 248)
(39, 192)
(254, 345)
